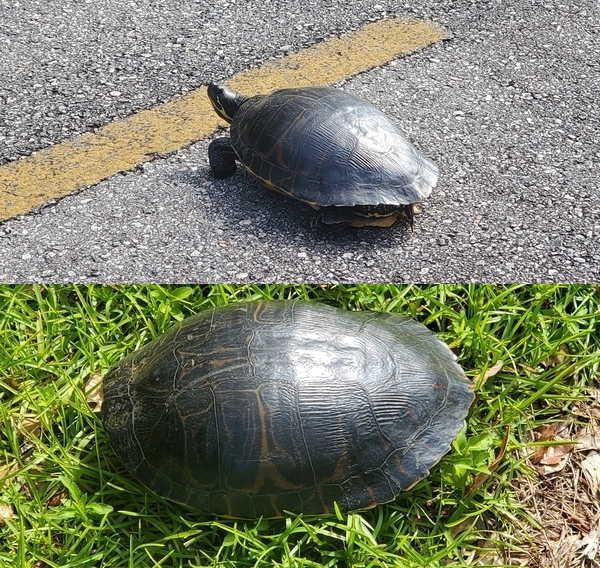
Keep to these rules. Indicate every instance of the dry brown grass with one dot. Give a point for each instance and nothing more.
(563, 496)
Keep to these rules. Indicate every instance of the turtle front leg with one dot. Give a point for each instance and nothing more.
(221, 158)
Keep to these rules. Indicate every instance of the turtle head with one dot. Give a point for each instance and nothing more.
(225, 101)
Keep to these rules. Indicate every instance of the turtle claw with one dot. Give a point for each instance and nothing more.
(409, 213)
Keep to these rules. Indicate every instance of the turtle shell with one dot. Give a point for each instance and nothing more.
(327, 147)
(262, 408)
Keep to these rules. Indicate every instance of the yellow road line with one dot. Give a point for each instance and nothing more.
(90, 158)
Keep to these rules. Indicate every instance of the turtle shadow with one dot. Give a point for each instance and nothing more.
(246, 206)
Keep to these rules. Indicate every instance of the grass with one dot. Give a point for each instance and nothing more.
(66, 501)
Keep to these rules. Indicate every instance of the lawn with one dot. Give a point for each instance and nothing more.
(532, 353)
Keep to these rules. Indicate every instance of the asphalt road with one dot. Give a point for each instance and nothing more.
(507, 107)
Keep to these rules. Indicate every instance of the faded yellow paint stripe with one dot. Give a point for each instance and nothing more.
(90, 158)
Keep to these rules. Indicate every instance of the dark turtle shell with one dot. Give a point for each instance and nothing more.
(327, 147)
(260, 408)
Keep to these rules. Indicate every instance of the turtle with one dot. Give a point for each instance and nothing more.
(275, 407)
(325, 147)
